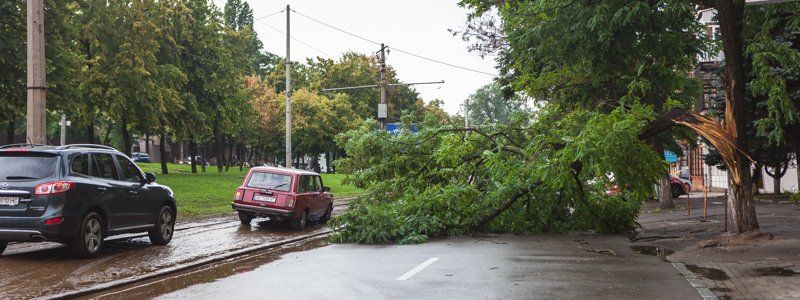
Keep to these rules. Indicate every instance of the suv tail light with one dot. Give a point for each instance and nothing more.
(239, 195)
(53, 188)
(289, 201)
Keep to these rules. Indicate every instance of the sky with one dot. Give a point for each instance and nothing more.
(416, 26)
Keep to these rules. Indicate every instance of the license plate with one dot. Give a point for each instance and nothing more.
(9, 201)
(263, 198)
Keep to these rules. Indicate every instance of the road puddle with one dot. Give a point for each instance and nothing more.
(774, 271)
(710, 273)
(660, 252)
(154, 288)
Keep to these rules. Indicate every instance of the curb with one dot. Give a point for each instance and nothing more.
(696, 283)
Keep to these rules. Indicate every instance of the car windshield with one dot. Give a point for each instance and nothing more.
(26, 166)
(271, 181)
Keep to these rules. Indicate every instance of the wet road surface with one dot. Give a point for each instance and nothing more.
(491, 267)
(30, 270)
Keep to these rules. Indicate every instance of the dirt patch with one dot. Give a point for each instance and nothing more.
(710, 273)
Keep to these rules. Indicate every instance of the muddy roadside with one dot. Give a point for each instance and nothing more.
(753, 267)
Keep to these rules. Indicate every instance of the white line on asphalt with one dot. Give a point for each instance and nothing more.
(416, 270)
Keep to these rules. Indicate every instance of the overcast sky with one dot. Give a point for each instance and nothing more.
(417, 26)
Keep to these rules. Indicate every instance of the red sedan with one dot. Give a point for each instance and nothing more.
(283, 195)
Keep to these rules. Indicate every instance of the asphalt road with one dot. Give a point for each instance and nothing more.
(31, 270)
(488, 267)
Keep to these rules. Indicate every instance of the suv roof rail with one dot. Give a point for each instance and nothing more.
(93, 146)
(20, 145)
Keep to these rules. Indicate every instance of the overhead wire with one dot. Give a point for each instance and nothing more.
(270, 15)
(396, 49)
(297, 40)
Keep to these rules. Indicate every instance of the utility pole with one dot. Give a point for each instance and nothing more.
(466, 113)
(63, 129)
(36, 74)
(288, 95)
(383, 109)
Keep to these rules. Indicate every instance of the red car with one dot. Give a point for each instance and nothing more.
(283, 195)
(677, 186)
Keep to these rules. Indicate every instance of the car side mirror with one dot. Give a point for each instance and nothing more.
(150, 177)
(326, 189)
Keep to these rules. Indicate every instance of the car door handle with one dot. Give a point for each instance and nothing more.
(102, 189)
(133, 192)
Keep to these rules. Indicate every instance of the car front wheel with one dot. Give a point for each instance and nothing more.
(677, 191)
(89, 241)
(164, 227)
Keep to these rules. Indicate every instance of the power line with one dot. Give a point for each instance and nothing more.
(441, 62)
(270, 15)
(396, 49)
(298, 40)
(337, 28)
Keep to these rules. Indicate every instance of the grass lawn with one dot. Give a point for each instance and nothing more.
(211, 193)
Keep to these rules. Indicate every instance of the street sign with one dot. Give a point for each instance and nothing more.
(394, 128)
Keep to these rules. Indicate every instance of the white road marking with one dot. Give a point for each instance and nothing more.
(417, 269)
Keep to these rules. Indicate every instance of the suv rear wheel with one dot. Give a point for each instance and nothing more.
(89, 240)
(245, 218)
(164, 227)
(3, 246)
(300, 222)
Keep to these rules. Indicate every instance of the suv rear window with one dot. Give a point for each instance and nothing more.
(27, 166)
(278, 182)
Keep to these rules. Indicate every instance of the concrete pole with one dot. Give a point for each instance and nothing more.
(288, 95)
(63, 129)
(383, 109)
(36, 127)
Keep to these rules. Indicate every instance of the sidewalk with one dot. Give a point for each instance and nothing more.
(762, 268)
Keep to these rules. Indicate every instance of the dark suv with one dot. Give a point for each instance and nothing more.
(78, 195)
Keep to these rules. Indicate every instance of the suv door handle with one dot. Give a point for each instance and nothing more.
(133, 192)
(102, 189)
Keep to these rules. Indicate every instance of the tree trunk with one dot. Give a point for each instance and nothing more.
(743, 212)
(219, 143)
(90, 131)
(146, 143)
(126, 137)
(162, 150)
(315, 164)
(106, 138)
(193, 154)
(10, 130)
(664, 188)
(229, 159)
(204, 159)
(328, 159)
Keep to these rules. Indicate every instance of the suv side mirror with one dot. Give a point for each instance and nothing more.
(326, 189)
(150, 177)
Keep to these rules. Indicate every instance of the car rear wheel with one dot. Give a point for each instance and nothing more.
(89, 241)
(245, 218)
(300, 222)
(3, 246)
(165, 227)
(327, 216)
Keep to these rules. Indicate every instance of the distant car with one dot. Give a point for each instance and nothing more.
(197, 159)
(678, 187)
(140, 157)
(79, 195)
(684, 176)
(283, 195)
